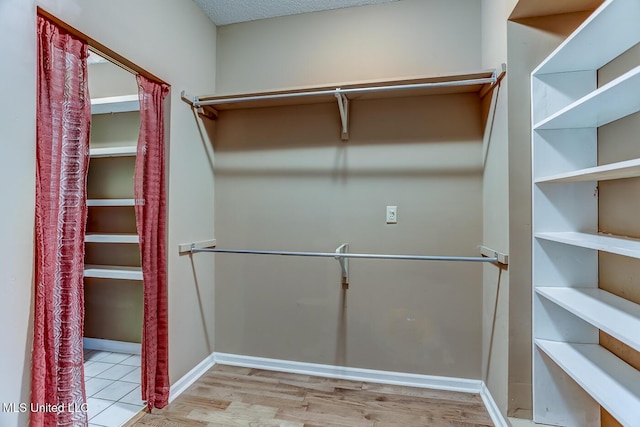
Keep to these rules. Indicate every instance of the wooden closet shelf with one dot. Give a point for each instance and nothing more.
(113, 272)
(369, 90)
(611, 102)
(619, 245)
(126, 151)
(619, 170)
(115, 104)
(111, 238)
(611, 382)
(111, 202)
(586, 48)
(616, 316)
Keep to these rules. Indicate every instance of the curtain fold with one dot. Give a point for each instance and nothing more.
(151, 223)
(62, 160)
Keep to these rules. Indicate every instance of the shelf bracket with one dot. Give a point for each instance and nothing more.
(204, 112)
(343, 106)
(502, 258)
(344, 264)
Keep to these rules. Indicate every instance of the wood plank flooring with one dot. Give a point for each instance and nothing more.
(233, 396)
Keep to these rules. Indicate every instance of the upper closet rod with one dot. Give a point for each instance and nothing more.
(196, 102)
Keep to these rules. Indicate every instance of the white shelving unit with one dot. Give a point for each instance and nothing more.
(573, 374)
(116, 104)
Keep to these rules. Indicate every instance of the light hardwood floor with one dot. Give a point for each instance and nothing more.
(233, 396)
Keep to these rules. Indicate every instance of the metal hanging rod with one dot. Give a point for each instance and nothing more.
(350, 255)
(196, 102)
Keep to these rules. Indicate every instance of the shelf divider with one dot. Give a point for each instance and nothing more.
(111, 238)
(115, 104)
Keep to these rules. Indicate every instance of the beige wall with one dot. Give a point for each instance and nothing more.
(184, 56)
(285, 181)
(17, 166)
(392, 40)
(495, 200)
(618, 208)
(529, 42)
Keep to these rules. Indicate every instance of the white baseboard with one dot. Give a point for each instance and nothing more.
(111, 345)
(190, 377)
(356, 374)
(346, 373)
(492, 407)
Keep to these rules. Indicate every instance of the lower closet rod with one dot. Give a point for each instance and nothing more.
(350, 255)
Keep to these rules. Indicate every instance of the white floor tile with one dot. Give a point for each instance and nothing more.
(116, 414)
(134, 398)
(96, 368)
(133, 360)
(94, 385)
(115, 372)
(95, 406)
(115, 391)
(115, 357)
(133, 376)
(97, 355)
(95, 425)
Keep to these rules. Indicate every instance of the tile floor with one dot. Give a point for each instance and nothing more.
(112, 383)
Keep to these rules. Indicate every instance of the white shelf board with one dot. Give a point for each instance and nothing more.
(111, 202)
(126, 151)
(608, 32)
(619, 170)
(616, 316)
(616, 99)
(611, 382)
(608, 243)
(115, 104)
(111, 238)
(113, 272)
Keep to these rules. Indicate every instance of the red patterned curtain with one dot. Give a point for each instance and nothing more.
(62, 159)
(151, 224)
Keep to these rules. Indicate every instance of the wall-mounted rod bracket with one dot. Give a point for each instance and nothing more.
(344, 264)
(501, 258)
(204, 112)
(343, 107)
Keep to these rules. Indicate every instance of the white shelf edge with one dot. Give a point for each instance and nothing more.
(125, 151)
(111, 202)
(607, 379)
(606, 97)
(111, 238)
(608, 243)
(586, 42)
(112, 272)
(115, 104)
(619, 170)
(616, 316)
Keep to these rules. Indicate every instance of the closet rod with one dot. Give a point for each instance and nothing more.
(337, 255)
(196, 102)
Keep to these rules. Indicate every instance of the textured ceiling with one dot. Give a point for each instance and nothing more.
(223, 12)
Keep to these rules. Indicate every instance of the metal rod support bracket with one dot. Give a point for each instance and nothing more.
(343, 107)
(344, 264)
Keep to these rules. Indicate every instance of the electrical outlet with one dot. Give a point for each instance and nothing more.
(392, 214)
